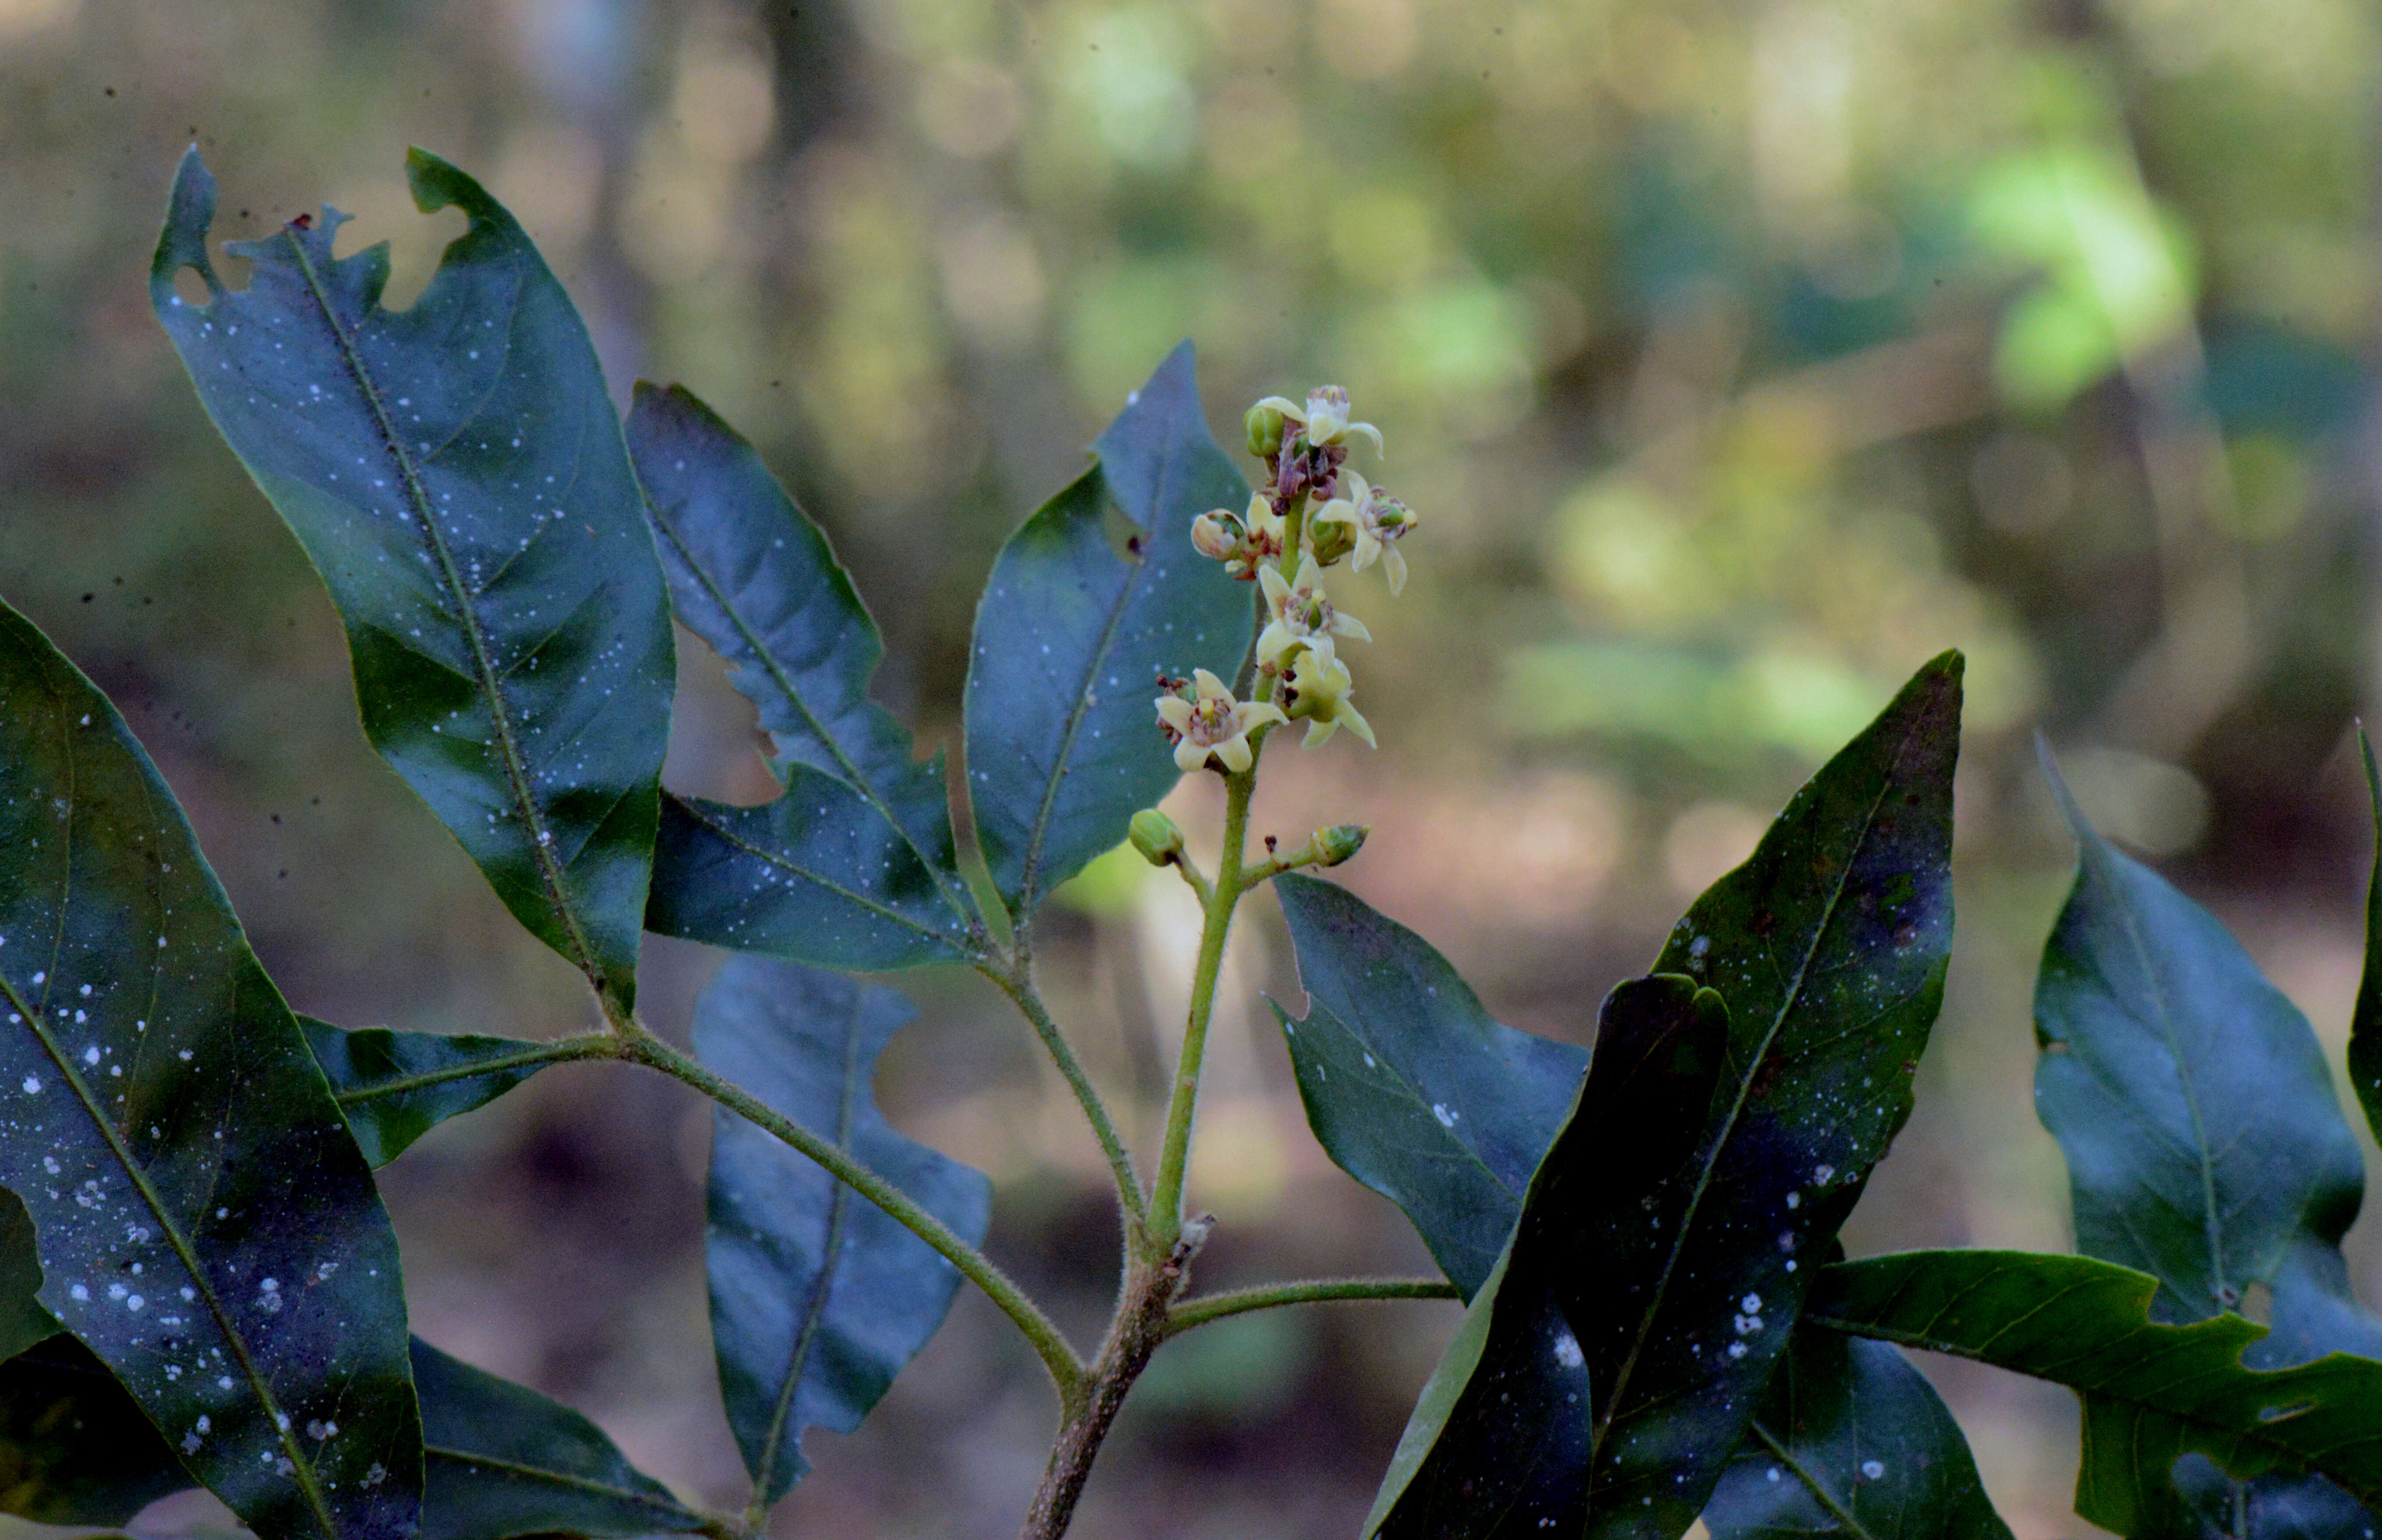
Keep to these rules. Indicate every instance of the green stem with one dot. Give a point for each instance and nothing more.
(1166, 1198)
(1019, 986)
(639, 1045)
(1314, 1291)
(586, 1045)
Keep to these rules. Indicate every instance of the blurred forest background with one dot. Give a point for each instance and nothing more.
(1736, 356)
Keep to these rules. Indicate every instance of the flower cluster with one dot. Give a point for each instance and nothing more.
(1311, 514)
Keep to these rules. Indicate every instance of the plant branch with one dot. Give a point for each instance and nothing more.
(639, 1045)
(1312, 1291)
(1166, 1198)
(1018, 984)
(586, 1045)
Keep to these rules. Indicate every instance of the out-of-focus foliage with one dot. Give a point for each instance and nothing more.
(1736, 358)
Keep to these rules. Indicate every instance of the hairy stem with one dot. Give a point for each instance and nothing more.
(1166, 1198)
(1018, 984)
(1312, 1291)
(1148, 1292)
(641, 1046)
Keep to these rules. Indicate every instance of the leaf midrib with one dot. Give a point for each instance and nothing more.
(309, 1482)
(768, 659)
(1818, 1489)
(542, 844)
(831, 1258)
(558, 1478)
(858, 900)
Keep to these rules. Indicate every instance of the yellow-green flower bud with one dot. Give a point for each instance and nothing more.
(1339, 843)
(1264, 423)
(1330, 542)
(1155, 835)
(1218, 535)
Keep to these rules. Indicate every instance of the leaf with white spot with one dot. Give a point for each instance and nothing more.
(204, 1223)
(457, 474)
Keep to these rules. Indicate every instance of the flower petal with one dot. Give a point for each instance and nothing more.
(1189, 757)
(1175, 713)
(1289, 408)
(1209, 686)
(1394, 565)
(1235, 752)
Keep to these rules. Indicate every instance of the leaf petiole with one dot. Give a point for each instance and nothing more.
(1313, 1291)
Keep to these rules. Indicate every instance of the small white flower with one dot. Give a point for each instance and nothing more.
(1378, 519)
(1318, 693)
(1325, 416)
(1302, 616)
(1210, 723)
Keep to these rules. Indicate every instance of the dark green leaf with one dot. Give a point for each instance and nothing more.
(23, 1322)
(2366, 1024)
(818, 1296)
(2152, 1392)
(1409, 1084)
(1063, 748)
(207, 1226)
(1504, 1449)
(74, 1448)
(1852, 1440)
(815, 874)
(395, 1087)
(753, 576)
(505, 1460)
(2204, 1142)
(458, 477)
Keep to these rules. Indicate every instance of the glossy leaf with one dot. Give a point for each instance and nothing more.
(395, 1087)
(1830, 945)
(1409, 1086)
(2366, 1023)
(505, 1460)
(75, 1448)
(205, 1225)
(2204, 1143)
(1852, 1440)
(457, 474)
(818, 1296)
(1504, 1447)
(815, 874)
(753, 576)
(1063, 748)
(23, 1322)
(2152, 1391)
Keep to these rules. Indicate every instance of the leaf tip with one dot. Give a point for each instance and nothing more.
(190, 215)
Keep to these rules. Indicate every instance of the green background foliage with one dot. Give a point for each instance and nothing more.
(1735, 360)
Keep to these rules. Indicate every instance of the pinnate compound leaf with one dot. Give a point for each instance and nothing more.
(1063, 748)
(205, 1225)
(1852, 1440)
(505, 1460)
(856, 868)
(457, 474)
(75, 1448)
(2152, 1391)
(1409, 1086)
(23, 1322)
(818, 1296)
(1501, 1446)
(395, 1087)
(2204, 1143)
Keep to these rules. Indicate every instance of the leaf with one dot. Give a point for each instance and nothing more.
(457, 474)
(2152, 1391)
(2204, 1142)
(368, 1066)
(23, 1322)
(1852, 1440)
(1409, 1086)
(753, 576)
(2365, 1021)
(207, 1226)
(1503, 1448)
(818, 1296)
(815, 874)
(74, 1448)
(505, 1460)
(1063, 748)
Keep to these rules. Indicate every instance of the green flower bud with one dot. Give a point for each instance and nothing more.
(1155, 835)
(1264, 423)
(1330, 541)
(1339, 843)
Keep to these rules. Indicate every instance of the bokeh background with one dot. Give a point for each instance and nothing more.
(1737, 357)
